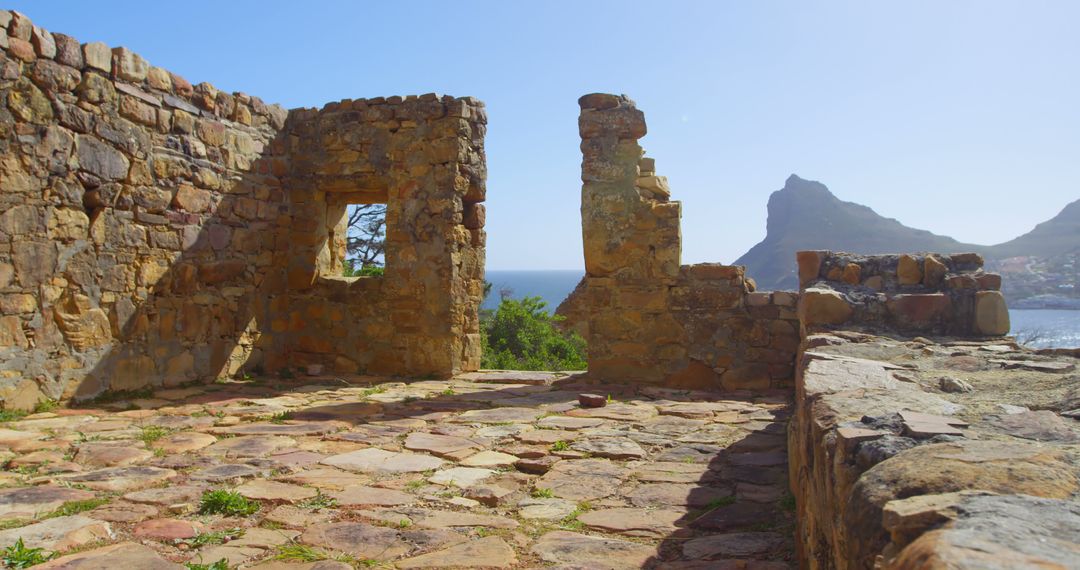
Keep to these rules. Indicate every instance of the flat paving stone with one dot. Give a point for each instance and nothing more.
(569, 422)
(362, 496)
(733, 545)
(441, 445)
(737, 516)
(290, 429)
(618, 411)
(171, 495)
(326, 478)
(184, 442)
(500, 415)
(612, 448)
(670, 472)
(579, 550)
(675, 494)
(489, 459)
(166, 529)
(250, 446)
(487, 552)
(122, 555)
(657, 523)
(460, 476)
(546, 509)
(263, 490)
(59, 534)
(123, 512)
(362, 540)
(583, 479)
(30, 502)
(378, 460)
(227, 472)
(121, 478)
(451, 519)
(111, 455)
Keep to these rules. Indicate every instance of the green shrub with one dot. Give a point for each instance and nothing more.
(521, 335)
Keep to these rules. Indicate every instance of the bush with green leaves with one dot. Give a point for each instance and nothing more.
(521, 335)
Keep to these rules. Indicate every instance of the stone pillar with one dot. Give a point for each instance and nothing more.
(632, 243)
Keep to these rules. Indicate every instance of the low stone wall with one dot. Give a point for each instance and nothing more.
(915, 455)
(649, 318)
(155, 233)
(914, 294)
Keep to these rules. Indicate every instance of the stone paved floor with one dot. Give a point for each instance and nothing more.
(492, 470)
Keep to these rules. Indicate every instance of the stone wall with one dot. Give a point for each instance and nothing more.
(154, 233)
(424, 158)
(910, 454)
(649, 318)
(915, 294)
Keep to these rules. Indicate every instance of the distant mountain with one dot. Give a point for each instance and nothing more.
(805, 215)
(1057, 236)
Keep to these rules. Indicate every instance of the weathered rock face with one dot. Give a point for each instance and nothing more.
(153, 232)
(647, 318)
(913, 294)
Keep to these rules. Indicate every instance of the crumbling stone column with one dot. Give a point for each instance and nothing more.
(651, 319)
(632, 242)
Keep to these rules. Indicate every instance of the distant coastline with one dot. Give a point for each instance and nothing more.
(1056, 302)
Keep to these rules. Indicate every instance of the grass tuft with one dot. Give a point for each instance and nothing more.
(542, 493)
(75, 507)
(150, 434)
(229, 503)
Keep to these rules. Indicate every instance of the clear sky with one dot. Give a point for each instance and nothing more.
(960, 117)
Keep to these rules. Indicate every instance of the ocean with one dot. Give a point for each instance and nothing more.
(1043, 327)
(551, 286)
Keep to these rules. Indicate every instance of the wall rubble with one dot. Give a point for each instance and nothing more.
(154, 232)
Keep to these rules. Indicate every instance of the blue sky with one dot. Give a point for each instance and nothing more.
(959, 117)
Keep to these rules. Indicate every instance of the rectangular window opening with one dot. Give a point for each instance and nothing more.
(363, 253)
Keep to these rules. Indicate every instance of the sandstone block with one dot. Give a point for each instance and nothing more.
(43, 42)
(68, 51)
(933, 271)
(100, 159)
(97, 56)
(809, 265)
(989, 281)
(599, 101)
(908, 271)
(920, 310)
(21, 49)
(128, 65)
(822, 307)
(991, 314)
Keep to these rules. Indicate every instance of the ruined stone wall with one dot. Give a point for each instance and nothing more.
(154, 233)
(915, 294)
(424, 158)
(651, 319)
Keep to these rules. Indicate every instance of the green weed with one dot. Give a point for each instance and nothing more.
(229, 503)
(19, 556)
